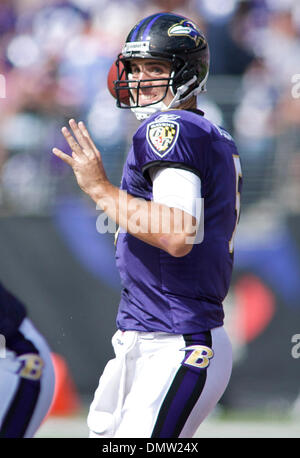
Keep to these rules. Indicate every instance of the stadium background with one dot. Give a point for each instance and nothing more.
(54, 59)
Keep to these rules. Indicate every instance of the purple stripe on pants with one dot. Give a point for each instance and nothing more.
(179, 402)
(20, 412)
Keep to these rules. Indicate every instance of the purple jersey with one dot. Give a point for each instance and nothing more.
(165, 293)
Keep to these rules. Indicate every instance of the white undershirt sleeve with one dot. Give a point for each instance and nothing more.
(177, 188)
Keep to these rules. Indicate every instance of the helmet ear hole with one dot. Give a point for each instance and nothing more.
(187, 74)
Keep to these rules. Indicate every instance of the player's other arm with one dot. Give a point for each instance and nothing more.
(168, 228)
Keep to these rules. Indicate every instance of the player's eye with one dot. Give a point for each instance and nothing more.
(156, 70)
(149, 70)
(135, 70)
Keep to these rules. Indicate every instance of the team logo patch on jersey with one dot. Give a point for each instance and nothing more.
(162, 136)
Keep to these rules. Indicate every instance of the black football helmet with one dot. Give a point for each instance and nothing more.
(167, 37)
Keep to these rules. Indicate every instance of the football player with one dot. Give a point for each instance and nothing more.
(177, 210)
(26, 371)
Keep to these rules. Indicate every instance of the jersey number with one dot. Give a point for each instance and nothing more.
(238, 177)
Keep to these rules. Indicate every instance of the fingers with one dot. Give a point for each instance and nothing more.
(72, 142)
(82, 149)
(86, 134)
(82, 139)
(65, 157)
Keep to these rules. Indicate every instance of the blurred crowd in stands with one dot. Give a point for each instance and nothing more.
(54, 59)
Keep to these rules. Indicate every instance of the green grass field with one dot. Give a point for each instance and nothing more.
(234, 424)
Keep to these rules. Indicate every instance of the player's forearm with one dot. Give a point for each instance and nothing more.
(166, 228)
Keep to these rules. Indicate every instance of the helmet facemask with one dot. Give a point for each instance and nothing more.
(180, 89)
(126, 82)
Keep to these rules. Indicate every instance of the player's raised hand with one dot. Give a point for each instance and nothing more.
(85, 160)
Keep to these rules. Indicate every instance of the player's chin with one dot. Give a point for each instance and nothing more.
(146, 100)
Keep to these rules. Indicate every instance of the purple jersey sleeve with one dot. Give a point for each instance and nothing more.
(173, 139)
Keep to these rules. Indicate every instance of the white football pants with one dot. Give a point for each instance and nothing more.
(160, 385)
(26, 383)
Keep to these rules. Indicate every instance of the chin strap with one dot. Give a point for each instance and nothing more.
(143, 113)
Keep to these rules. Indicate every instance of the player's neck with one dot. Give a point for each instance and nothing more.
(188, 104)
